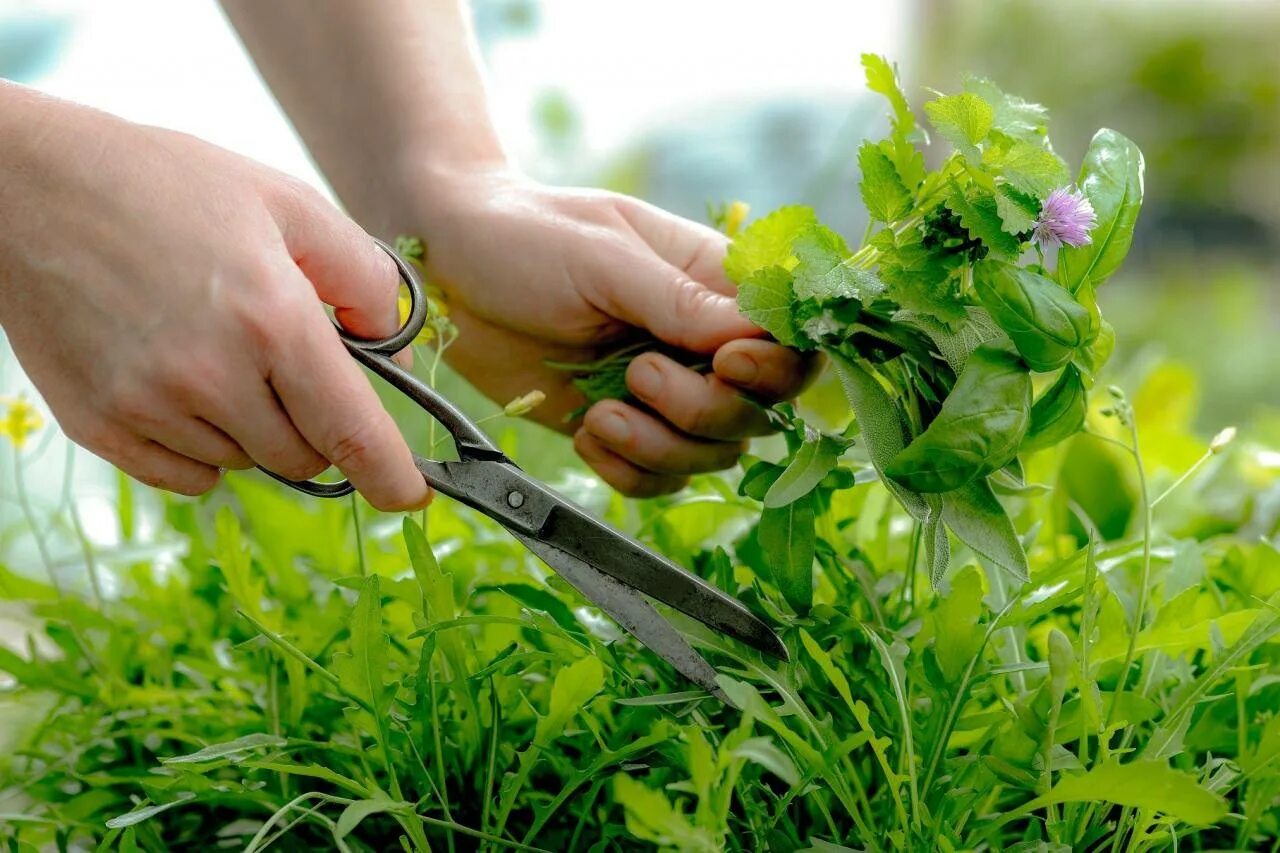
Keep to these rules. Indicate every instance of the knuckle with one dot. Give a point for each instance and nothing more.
(352, 445)
(302, 468)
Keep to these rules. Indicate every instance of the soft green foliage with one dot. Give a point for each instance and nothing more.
(1078, 648)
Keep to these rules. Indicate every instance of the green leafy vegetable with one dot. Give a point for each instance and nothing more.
(1112, 180)
(1058, 413)
(1043, 320)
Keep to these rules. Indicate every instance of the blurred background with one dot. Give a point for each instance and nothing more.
(690, 104)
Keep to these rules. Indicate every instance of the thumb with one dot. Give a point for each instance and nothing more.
(648, 292)
(345, 266)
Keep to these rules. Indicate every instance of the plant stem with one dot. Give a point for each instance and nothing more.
(1140, 613)
(1186, 475)
(355, 521)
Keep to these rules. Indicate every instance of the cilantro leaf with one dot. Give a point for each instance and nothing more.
(822, 271)
(978, 212)
(1028, 167)
(767, 242)
(1010, 114)
(765, 298)
(1018, 211)
(886, 198)
(964, 120)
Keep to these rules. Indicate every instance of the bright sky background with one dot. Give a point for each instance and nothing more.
(628, 68)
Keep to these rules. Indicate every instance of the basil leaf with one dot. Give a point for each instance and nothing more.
(787, 537)
(980, 521)
(1059, 413)
(812, 462)
(978, 430)
(1112, 179)
(1044, 321)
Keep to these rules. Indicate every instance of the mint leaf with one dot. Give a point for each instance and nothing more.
(1028, 167)
(765, 298)
(882, 79)
(767, 242)
(1010, 114)
(886, 198)
(823, 273)
(980, 216)
(1018, 211)
(964, 120)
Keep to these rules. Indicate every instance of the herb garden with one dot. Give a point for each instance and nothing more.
(1014, 622)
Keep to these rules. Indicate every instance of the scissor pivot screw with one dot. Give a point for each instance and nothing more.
(515, 500)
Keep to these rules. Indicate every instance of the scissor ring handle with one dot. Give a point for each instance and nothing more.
(417, 318)
(387, 346)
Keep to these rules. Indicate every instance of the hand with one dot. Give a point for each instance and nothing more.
(165, 296)
(533, 273)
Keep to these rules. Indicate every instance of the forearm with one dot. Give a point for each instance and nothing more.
(384, 94)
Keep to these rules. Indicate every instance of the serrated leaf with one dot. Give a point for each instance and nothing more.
(362, 671)
(979, 214)
(1010, 114)
(574, 686)
(822, 272)
(765, 298)
(1017, 211)
(767, 242)
(885, 196)
(919, 280)
(964, 120)
(882, 78)
(1029, 168)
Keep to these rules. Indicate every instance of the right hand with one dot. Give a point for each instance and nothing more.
(165, 297)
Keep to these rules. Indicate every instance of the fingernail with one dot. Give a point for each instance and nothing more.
(611, 428)
(646, 380)
(739, 368)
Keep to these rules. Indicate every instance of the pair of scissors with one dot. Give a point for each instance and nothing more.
(609, 568)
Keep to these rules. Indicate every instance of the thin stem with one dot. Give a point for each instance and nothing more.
(28, 514)
(355, 521)
(1186, 475)
(1140, 613)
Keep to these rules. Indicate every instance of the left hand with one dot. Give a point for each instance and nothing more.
(533, 273)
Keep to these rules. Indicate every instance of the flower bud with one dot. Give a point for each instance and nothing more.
(524, 404)
(1222, 439)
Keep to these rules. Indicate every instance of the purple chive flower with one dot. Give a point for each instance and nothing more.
(1066, 219)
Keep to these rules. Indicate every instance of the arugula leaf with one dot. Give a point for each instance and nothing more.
(885, 196)
(1112, 180)
(767, 242)
(822, 271)
(964, 120)
(765, 298)
(1142, 784)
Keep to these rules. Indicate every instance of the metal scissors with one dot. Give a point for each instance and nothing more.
(608, 567)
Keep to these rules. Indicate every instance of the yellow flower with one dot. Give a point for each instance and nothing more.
(735, 216)
(19, 421)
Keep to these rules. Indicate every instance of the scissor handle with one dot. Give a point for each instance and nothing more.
(375, 354)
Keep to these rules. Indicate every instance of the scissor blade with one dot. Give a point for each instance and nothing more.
(630, 610)
(624, 559)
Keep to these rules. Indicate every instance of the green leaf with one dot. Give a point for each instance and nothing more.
(1148, 785)
(978, 430)
(766, 753)
(1028, 167)
(1011, 115)
(1058, 413)
(822, 272)
(767, 242)
(362, 671)
(1017, 211)
(787, 537)
(142, 813)
(651, 817)
(979, 520)
(813, 461)
(885, 196)
(1046, 323)
(979, 213)
(964, 120)
(765, 298)
(907, 160)
(917, 278)
(954, 624)
(361, 809)
(574, 686)
(1112, 180)
(232, 749)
